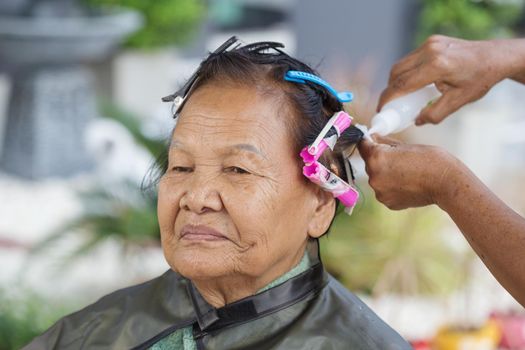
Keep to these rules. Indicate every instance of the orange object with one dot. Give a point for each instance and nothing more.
(486, 337)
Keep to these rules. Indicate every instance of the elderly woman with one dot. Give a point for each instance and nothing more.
(240, 213)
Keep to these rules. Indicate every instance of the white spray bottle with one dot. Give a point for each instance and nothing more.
(400, 113)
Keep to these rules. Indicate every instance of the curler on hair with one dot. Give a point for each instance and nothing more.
(318, 173)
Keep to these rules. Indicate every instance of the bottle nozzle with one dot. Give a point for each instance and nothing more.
(385, 122)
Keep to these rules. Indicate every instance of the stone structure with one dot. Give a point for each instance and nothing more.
(44, 45)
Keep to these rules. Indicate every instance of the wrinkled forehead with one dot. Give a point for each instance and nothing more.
(218, 114)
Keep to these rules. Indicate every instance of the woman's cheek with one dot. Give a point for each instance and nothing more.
(250, 203)
(245, 187)
(168, 203)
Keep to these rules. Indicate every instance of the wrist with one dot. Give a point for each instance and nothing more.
(446, 179)
(509, 55)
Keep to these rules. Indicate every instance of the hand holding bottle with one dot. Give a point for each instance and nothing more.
(404, 176)
(401, 112)
(463, 71)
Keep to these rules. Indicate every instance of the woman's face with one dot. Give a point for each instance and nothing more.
(233, 200)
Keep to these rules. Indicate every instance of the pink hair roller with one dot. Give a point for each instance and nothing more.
(319, 174)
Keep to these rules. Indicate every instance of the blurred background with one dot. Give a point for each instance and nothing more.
(81, 123)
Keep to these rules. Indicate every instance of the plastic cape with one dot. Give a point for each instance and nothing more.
(309, 311)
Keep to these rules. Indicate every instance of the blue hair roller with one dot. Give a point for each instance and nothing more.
(302, 77)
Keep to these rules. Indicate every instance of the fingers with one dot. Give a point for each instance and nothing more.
(368, 149)
(427, 64)
(407, 63)
(447, 104)
(409, 81)
(443, 86)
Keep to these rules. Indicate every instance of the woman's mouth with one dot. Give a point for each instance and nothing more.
(200, 233)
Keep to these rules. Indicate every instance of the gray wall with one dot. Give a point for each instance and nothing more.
(353, 32)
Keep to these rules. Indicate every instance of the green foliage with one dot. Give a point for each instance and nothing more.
(468, 19)
(377, 250)
(121, 214)
(26, 315)
(167, 22)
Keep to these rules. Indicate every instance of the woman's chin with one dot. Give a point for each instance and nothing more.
(196, 264)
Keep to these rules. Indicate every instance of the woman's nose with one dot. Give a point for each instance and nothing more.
(201, 195)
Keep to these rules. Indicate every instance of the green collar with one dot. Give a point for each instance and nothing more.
(303, 265)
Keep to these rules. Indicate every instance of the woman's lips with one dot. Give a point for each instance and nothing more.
(200, 233)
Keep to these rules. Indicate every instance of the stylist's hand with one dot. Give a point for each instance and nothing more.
(404, 175)
(462, 70)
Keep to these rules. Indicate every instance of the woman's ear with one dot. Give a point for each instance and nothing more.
(323, 214)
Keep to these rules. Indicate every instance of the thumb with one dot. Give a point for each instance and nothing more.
(386, 140)
(448, 103)
(366, 148)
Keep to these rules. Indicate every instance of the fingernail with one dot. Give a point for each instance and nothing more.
(419, 122)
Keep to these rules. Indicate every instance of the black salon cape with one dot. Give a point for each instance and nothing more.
(309, 311)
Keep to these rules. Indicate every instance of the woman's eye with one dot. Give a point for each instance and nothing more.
(236, 170)
(181, 169)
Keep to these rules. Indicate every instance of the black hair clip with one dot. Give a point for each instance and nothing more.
(178, 98)
(262, 46)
